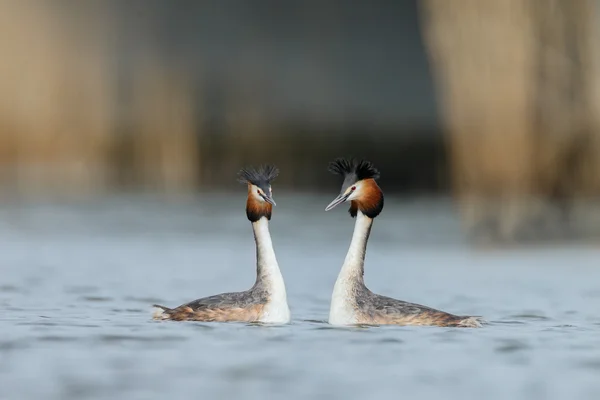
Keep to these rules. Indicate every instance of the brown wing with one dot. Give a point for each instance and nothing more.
(238, 306)
(428, 318)
(230, 314)
(387, 311)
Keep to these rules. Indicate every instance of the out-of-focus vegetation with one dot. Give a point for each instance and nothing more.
(177, 96)
(112, 95)
(519, 88)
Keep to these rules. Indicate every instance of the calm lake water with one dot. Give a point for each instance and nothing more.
(77, 281)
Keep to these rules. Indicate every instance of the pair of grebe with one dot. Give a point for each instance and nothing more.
(352, 303)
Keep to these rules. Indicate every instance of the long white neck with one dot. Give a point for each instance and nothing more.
(269, 275)
(354, 264)
(343, 304)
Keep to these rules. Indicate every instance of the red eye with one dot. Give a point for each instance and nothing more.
(353, 187)
(258, 191)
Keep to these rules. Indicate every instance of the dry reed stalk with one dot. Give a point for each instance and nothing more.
(55, 95)
(165, 141)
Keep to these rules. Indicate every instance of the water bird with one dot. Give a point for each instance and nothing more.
(266, 301)
(352, 303)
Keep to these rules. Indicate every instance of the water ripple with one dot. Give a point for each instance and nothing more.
(511, 346)
(530, 316)
(8, 345)
(144, 300)
(96, 299)
(315, 321)
(593, 364)
(38, 323)
(80, 289)
(201, 326)
(508, 322)
(391, 340)
(112, 338)
(128, 310)
(57, 338)
(10, 289)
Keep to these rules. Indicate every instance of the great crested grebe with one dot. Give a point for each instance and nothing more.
(266, 301)
(352, 303)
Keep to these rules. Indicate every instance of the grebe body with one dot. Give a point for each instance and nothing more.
(266, 301)
(352, 303)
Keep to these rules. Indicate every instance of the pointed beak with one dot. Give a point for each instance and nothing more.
(268, 199)
(337, 201)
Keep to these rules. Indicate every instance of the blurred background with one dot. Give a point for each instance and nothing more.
(493, 104)
(123, 125)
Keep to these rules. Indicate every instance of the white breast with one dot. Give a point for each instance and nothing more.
(342, 310)
(276, 311)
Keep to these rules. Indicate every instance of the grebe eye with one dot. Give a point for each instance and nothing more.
(353, 187)
(258, 191)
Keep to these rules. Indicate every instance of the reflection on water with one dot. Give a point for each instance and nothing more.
(78, 281)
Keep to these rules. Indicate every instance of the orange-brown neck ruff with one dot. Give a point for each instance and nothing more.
(256, 209)
(370, 202)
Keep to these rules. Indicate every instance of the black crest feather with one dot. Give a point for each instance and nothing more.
(260, 176)
(362, 169)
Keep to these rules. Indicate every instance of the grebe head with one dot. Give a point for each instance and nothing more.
(359, 187)
(260, 195)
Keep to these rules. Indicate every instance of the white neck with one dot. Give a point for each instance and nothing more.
(268, 274)
(343, 304)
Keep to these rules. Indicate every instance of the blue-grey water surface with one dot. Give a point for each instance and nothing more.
(77, 281)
